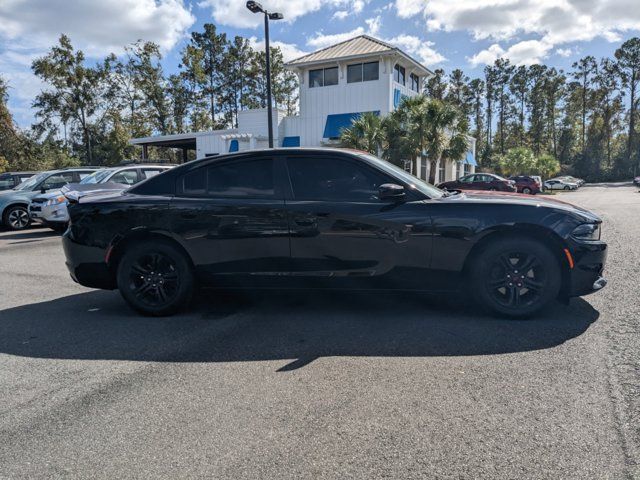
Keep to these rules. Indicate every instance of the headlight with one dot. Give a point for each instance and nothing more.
(587, 231)
(56, 200)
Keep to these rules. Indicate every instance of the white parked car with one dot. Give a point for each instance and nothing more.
(50, 209)
(557, 184)
(569, 179)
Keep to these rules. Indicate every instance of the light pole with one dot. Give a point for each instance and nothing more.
(255, 7)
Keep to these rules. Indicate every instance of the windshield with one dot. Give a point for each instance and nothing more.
(33, 181)
(420, 185)
(96, 177)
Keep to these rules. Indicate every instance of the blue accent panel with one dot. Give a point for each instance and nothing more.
(398, 97)
(336, 122)
(233, 146)
(470, 159)
(291, 142)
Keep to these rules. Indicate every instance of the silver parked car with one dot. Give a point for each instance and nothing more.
(558, 184)
(50, 209)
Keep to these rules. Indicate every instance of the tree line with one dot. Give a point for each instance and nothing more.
(585, 118)
(87, 112)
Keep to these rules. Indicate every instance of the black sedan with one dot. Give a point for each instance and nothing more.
(328, 218)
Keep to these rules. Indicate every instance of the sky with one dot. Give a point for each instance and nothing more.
(446, 34)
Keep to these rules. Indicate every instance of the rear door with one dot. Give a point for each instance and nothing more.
(230, 215)
(343, 235)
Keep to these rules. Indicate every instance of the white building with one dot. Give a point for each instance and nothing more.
(337, 84)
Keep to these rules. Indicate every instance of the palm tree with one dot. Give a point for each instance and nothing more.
(365, 133)
(437, 130)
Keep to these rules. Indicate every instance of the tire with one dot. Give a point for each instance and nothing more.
(526, 190)
(505, 288)
(567, 187)
(493, 189)
(16, 218)
(169, 282)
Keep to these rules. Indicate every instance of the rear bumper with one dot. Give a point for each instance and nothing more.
(587, 274)
(86, 265)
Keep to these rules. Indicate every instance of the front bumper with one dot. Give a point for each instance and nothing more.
(586, 276)
(49, 213)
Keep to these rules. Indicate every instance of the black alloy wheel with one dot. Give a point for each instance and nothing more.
(155, 278)
(516, 277)
(17, 218)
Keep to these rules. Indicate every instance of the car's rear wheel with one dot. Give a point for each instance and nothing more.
(16, 218)
(515, 276)
(567, 187)
(155, 278)
(526, 190)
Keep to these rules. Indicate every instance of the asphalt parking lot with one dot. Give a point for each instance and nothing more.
(319, 385)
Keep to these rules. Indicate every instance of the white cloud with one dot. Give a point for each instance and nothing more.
(98, 27)
(340, 15)
(553, 22)
(422, 49)
(409, 8)
(289, 50)
(527, 52)
(234, 12)
(323, 41)
(374, 25)
(564, 52)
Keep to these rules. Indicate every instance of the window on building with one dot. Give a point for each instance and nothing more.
(354, 73)
(333, 179)
(323, 77)
(363, 72)
(441, 172)
(399, 74)
(415, 82)
(244, 179)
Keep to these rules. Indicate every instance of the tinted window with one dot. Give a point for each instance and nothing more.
(398, 74)
(57, 180)
(467, 179)
(326, 178)
(354, 73)
(370, 71)
(126, 177)
(331, 76)
(151, 172)
(415, 82)
(248, 179)
(315, 78)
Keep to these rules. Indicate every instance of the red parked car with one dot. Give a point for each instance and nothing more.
(526, 184)
(480, 181)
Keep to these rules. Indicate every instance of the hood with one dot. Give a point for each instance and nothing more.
(75, 191)
(508, 198)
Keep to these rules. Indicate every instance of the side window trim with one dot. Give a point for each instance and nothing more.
(365, 166)
(277, 187)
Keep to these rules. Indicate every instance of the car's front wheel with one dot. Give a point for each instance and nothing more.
(567, 187)
(526, 190)
(515, 276)
(16, 218)
(155, 278)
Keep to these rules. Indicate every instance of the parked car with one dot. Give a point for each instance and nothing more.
(14, 204)
(50, 209)
(538, 179)
(526, 184)
(327, 218)
(557, 184)
(10, 180)
(569, 179)
(480, 181)
(636, 181)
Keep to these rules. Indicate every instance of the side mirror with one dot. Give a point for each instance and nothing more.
(390, 191)
(43, 190)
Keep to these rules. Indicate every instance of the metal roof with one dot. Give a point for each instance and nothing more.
(361, 45)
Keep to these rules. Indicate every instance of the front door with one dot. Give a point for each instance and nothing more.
(343, 235)
(230, 215)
